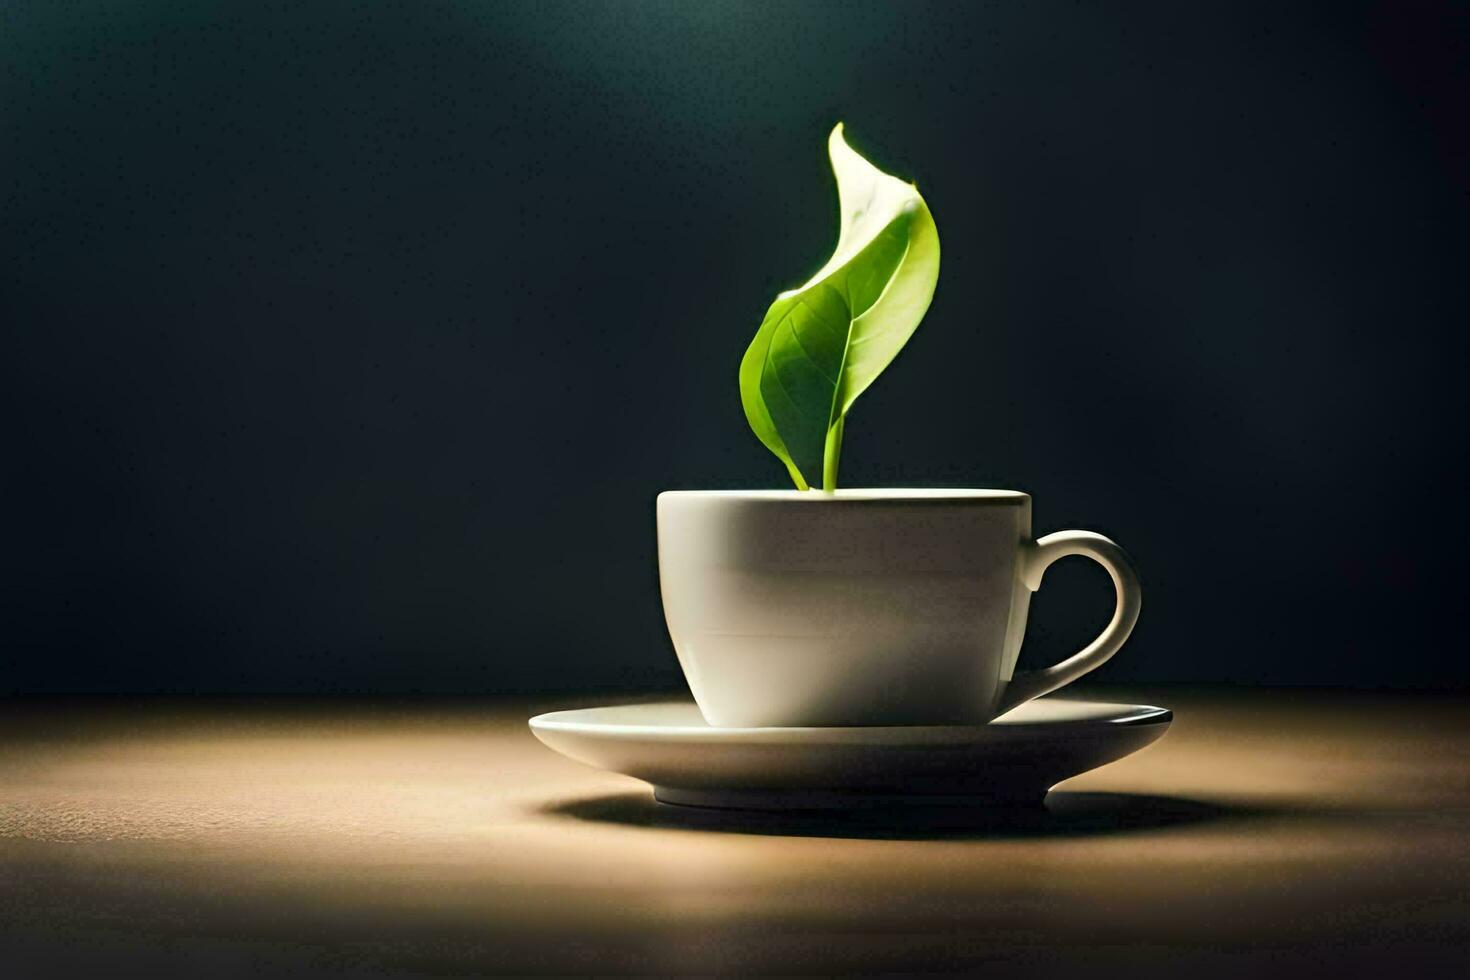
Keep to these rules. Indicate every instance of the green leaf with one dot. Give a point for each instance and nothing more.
(822, 344)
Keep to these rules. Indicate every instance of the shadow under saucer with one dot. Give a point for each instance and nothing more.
(1064, 814)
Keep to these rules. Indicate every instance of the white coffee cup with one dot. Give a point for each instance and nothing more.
(865, 607)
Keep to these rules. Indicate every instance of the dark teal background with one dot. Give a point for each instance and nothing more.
(347, 345)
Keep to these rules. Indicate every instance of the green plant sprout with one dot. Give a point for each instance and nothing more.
(822, 344)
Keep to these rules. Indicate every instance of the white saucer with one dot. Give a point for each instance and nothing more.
(1014, 760)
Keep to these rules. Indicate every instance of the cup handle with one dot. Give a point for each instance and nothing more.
(1035, 560)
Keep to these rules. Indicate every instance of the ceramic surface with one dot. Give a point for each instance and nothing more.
(1013, 760)
(865, 607)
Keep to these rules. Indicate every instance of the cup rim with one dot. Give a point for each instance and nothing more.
(861, 495)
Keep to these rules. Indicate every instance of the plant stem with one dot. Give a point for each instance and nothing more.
(831, 454)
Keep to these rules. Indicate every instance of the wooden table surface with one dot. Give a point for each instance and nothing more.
(1270, 832)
